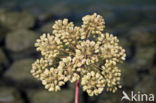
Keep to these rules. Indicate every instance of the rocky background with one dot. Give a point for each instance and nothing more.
(23, 21)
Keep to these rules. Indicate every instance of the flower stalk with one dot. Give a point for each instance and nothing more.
(77, 91)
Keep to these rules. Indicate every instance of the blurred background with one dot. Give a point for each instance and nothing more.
(23, 21)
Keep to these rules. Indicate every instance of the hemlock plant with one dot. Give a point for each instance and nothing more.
(83, 54)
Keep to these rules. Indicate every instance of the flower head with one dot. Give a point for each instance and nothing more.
(85, 53)
(93, 83)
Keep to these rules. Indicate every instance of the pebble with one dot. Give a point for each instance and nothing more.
(20, 40)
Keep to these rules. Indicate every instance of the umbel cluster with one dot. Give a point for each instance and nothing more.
(85, 53)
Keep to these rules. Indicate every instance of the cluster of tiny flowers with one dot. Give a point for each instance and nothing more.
(85, 53)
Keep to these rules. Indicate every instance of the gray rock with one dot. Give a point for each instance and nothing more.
(20, 71)
(43, 96)
(126, 44)
(43, 16)
(3, 58)
(120, 27)
(146, 85)
(153, 71)
(141, 37)
(1, 69)
(127, 80)
(3, 30)
(9, 95)
(60, 9)
(20, 40)
(16, 20)
(144, 56)
(3, 33)
(108, 97)
(107, 13)
(47, 28)
(2, 11)
(124, 41)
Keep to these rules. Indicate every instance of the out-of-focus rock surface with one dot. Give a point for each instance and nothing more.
(21, 23)
(20, 71)
(144, 56)
(16, 20)
(10, 95)
(20, 40)
(47, 28)
(142, 37)
(127, 79)
(43, 96)
(146, 85)
(3, 58)
(153, 71)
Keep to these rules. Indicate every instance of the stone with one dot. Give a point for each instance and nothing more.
(20, 40)
(124, 41)
(1, 69)
(144, 56)
(2, 11)
(153, 71)
(3, 58)
(3, 33)
(60, 9)
(47, 28)
(44, 96)
(20, 71)
(9, 95)
(127, 45)
(141, 37)
(3, 61)
(45, 16)
(127, 80)
(120, 28)
(108, 15)
(146, 85)
(3, 30)
(108, 97)
(16, 20)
